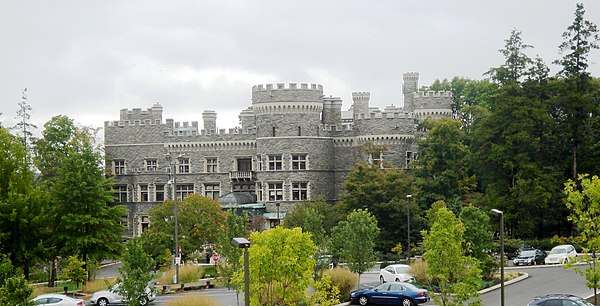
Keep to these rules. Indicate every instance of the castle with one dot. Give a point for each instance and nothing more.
(294, 144)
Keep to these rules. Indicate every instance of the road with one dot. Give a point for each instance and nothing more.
(542, 280)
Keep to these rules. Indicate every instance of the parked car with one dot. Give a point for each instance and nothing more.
(530, 257)
(394, 293)
(559, 300)
(57, 299)
(112, 296)
(396, 273)
(561, 254)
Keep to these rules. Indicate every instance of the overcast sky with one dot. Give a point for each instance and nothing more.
(89, 59)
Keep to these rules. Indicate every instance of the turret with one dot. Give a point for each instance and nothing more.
(332, 111)
(210, 121)
(247, 119)
(361, 104)
(409, 87)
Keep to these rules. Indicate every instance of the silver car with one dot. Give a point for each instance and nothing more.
(112, 296)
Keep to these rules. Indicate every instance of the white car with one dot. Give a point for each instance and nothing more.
(561, 254)
(396, 273)
(112, 296)
(56, 299)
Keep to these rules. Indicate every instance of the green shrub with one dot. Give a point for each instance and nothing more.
(187, 274)
(343, 279)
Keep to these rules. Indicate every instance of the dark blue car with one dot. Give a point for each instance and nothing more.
(393, 293)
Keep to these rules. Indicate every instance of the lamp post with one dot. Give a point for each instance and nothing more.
(278, 220)
(173, 183)
(245, 244)
(499, 213)
(408, 197)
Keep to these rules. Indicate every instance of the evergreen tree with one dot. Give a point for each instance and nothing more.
(24, 126)
(577, 103)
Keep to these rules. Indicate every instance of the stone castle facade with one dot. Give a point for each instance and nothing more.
(294, 144)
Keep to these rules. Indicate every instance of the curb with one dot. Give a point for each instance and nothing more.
(512, 281)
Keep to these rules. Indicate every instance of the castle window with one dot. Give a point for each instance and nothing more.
(410, 157)
(275, 162)
(259, 162)
(273, 131)
(375, 158)
(159, 193)
(212, 190)
(120, 167)
(184, 165)
(121, 193)
(144, 223)
(151, 165)
(124, 220)
(144, 193)
(299, 162)
(275, 191)
(212, 164)
(299, 131)
(299, 191)
(184, 190)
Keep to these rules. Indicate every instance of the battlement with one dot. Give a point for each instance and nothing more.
(363, 96)
(137, 114)
(290, 86)
(431, 93)
(414, 76)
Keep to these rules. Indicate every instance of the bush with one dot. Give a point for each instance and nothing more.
(343, 279)
(187, 274)
(419, 270)
(193, 300)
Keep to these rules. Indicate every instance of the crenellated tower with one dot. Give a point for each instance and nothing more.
(410, 86)
(361, 104)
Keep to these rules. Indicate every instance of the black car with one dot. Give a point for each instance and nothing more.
(530, 257)
(559, 300)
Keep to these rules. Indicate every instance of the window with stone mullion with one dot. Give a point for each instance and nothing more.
(275, 162)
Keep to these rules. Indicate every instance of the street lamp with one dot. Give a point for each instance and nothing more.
(408, 197)
(173, 183)
(278, 204)
(499, 213)
(244, 244)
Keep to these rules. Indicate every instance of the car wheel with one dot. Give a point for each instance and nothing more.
(363, 300)
(102, 302)
(381, 280)
(143, 301)
(407, 302)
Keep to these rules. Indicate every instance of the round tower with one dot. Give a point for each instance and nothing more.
(409, 88)
(332, 111)
(284, 111)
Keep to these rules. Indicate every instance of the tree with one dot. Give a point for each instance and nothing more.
(281, 266)
(83, 223)
(383, 192)
(354, 240)
(229, 263)
(200, 222)
(23, 206)
(583, 201)
(517, 62)
(135, 274)
(442, 172)
(75, 270)
(455, 274)
(14, 289)
(580, 38)
(24, 113)
(86, 224)
(477, 237)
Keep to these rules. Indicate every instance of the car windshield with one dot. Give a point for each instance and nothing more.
(558, 251)
(527, 254)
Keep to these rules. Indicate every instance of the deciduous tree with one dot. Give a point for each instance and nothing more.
(281, 266)
(448, 267)
(135, 274)
(583, 201)
(354, 240)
